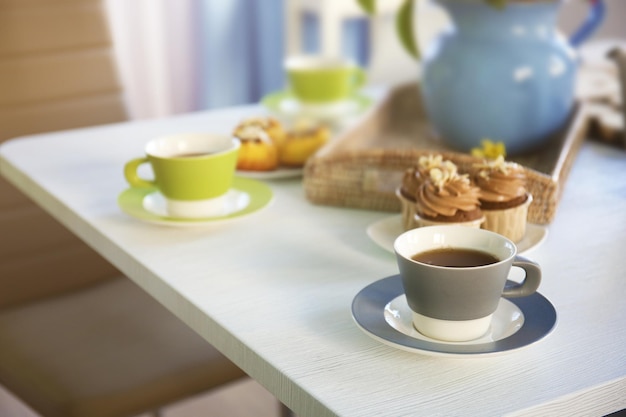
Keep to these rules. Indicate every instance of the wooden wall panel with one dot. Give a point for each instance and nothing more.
(49, 27)
(31, 231)
(57, 72)
(57, 76)
(38, 255)
(12, 4)
(58, 115)
(52, 272)
(10, 197)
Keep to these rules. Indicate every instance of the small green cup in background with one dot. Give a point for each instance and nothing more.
(191, 170)
(321, 80)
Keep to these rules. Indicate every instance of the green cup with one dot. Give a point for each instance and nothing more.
(192, 171)
(321, 80)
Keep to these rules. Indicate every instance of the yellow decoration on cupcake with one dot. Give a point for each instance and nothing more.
(490, 150)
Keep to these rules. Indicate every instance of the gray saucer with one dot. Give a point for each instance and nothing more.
(380, 310)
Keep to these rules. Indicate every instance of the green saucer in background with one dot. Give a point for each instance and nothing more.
(285, 105)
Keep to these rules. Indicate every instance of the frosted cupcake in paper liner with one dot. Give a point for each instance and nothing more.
(446, 197)
(413, 179)
(503, 197)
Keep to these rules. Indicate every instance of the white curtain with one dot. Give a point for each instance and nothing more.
(179, 56)
(183, 55)
(155, 47)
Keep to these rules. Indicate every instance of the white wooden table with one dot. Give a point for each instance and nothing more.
(273, 290)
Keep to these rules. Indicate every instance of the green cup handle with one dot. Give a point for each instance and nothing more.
(133, 178)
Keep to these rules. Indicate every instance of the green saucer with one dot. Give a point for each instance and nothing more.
(245, 197)
(284, 103)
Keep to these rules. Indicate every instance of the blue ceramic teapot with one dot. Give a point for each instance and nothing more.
(503, 73)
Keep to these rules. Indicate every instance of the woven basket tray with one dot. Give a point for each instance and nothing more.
(363, 167)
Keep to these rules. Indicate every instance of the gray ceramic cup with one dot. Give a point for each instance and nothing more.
(457, 303)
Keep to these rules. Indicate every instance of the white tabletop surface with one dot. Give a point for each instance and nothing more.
(273, 291)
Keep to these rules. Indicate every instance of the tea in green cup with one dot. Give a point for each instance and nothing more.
(318, 79)
(192, 171)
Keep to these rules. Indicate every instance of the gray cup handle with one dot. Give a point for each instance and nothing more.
(531, 280)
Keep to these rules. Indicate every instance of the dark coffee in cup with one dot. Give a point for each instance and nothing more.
(455, 257)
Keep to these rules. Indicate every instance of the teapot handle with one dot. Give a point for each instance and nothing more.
(594, 19)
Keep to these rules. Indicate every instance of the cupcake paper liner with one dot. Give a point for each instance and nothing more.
(425, 222)
(408, 211)
(510, 222)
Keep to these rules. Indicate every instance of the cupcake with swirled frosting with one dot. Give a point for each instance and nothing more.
(447, 197)
(503, 196)
(411, 181)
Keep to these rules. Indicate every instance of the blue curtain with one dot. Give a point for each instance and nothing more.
(354, 39)
(241, 49)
